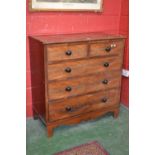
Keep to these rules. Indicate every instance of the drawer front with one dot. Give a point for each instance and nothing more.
(83, 85)
(83, 67)
(83, 104)
(107, 47)
(61, 52)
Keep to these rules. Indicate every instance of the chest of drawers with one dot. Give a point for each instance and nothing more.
(75, 77)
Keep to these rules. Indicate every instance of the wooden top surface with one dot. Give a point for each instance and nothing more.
(62, 38)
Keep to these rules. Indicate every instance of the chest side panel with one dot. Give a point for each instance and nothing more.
(37, 77)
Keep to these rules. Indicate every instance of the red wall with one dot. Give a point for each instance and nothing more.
(110, 21)
(124, 29)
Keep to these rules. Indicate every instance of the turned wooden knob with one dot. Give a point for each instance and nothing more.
(105, 81)
(108, 49)
(106, 64)
(68, 88)
(104, 99)
(68, 109)
(68, 70)
(68, 52)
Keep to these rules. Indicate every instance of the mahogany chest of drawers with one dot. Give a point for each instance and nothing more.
(75, 77)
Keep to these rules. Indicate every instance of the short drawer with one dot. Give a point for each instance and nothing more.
(83, 104)
(61, 52)
(107, 47)
(77, 86)
(83, 67)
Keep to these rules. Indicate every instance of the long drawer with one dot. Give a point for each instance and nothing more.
(83, 104)
(83, 67)
(83, 85)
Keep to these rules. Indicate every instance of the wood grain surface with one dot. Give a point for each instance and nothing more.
(83, 104)
(58, 52)
(99, 48)
(83, 67)
(69, 38)
(83, 85)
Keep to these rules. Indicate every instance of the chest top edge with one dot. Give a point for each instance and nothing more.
(78, 37)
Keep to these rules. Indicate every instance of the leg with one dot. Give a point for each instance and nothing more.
(116, 113)
(35, 116)
(49, 131)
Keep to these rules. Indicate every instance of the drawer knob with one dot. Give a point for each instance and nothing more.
(104, 100)
(108, 49)
(106, 64)
(68, 109)
(68, 69)
(105, 81)
(68, 52)
(68, 88)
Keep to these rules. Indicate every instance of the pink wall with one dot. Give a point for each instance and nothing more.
(65, 22)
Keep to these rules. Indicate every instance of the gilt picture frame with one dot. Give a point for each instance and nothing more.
(66, 5)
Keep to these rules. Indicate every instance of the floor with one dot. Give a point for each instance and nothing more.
(109, 132)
